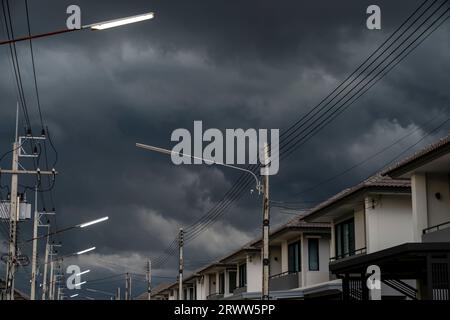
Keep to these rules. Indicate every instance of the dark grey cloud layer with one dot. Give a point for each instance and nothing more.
(249, 64)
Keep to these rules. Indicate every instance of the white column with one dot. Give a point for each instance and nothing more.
(332, 241)
(284, 256)
(226, 289)
(419, 205)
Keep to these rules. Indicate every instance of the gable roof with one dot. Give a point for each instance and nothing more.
(376, 183)
(427, 154)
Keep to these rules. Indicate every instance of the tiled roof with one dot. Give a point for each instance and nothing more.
(376, 181)
(443, 143)
(155, 291)
(293, 223)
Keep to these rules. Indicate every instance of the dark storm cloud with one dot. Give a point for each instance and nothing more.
(249, 64)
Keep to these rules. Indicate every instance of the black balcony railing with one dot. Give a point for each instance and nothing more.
(348, 254)
(239, 290)
(437, 227)
(214, 296)
(279, 275)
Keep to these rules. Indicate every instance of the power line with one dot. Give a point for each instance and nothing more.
(371, 157)
(317, 124)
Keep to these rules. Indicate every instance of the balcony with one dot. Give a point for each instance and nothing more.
(438, 233)
(349, 254)
(215, 296)
(285, 281)
(239, 290)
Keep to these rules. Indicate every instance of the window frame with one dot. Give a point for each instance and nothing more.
(232, 284)
(242, 280)
(296, 265)
(343, 228)
(317, 255)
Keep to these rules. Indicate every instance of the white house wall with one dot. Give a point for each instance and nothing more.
(200, 288)
(419, 205)
(438, 209)
(212, 284)
(360, 229)
(284, 256)
(254, 273)
(275, 260)
(389, 223)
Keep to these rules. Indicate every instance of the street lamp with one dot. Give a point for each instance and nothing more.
(85, 251)
(80, 225)
(83, 272)
(71, 255)
(120, 22)
(35, 239)
(264, 188)
(90, 223)
(94, 27)
(80, 283)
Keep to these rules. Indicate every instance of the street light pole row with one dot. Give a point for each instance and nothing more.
(264, 188)
(14, 207)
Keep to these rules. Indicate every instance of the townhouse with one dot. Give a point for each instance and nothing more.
(299, 253)
(396, 220)
(367, 218)
(429, 173)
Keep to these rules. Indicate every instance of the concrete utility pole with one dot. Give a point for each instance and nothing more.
(130, 297)
(149, 279)
(180, 275)
(36, 225)
(51, 285)
(14, 207)
(118, 293)
(44, 276)
(34, 253)
(56, 281)
(266, 227)
(127, 287)
(15, 201)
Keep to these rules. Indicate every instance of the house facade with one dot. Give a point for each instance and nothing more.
(397, 221)
(299, 255)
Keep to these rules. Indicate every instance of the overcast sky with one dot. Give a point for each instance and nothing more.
(248, 64)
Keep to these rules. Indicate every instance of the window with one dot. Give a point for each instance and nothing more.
(242, 275)
(313, 254)
(221, 283)
(345, 238)
(231, 280)
(294, 257)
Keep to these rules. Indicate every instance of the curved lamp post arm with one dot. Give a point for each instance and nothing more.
(209, 161)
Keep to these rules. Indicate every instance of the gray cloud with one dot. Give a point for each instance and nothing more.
(256, 64)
